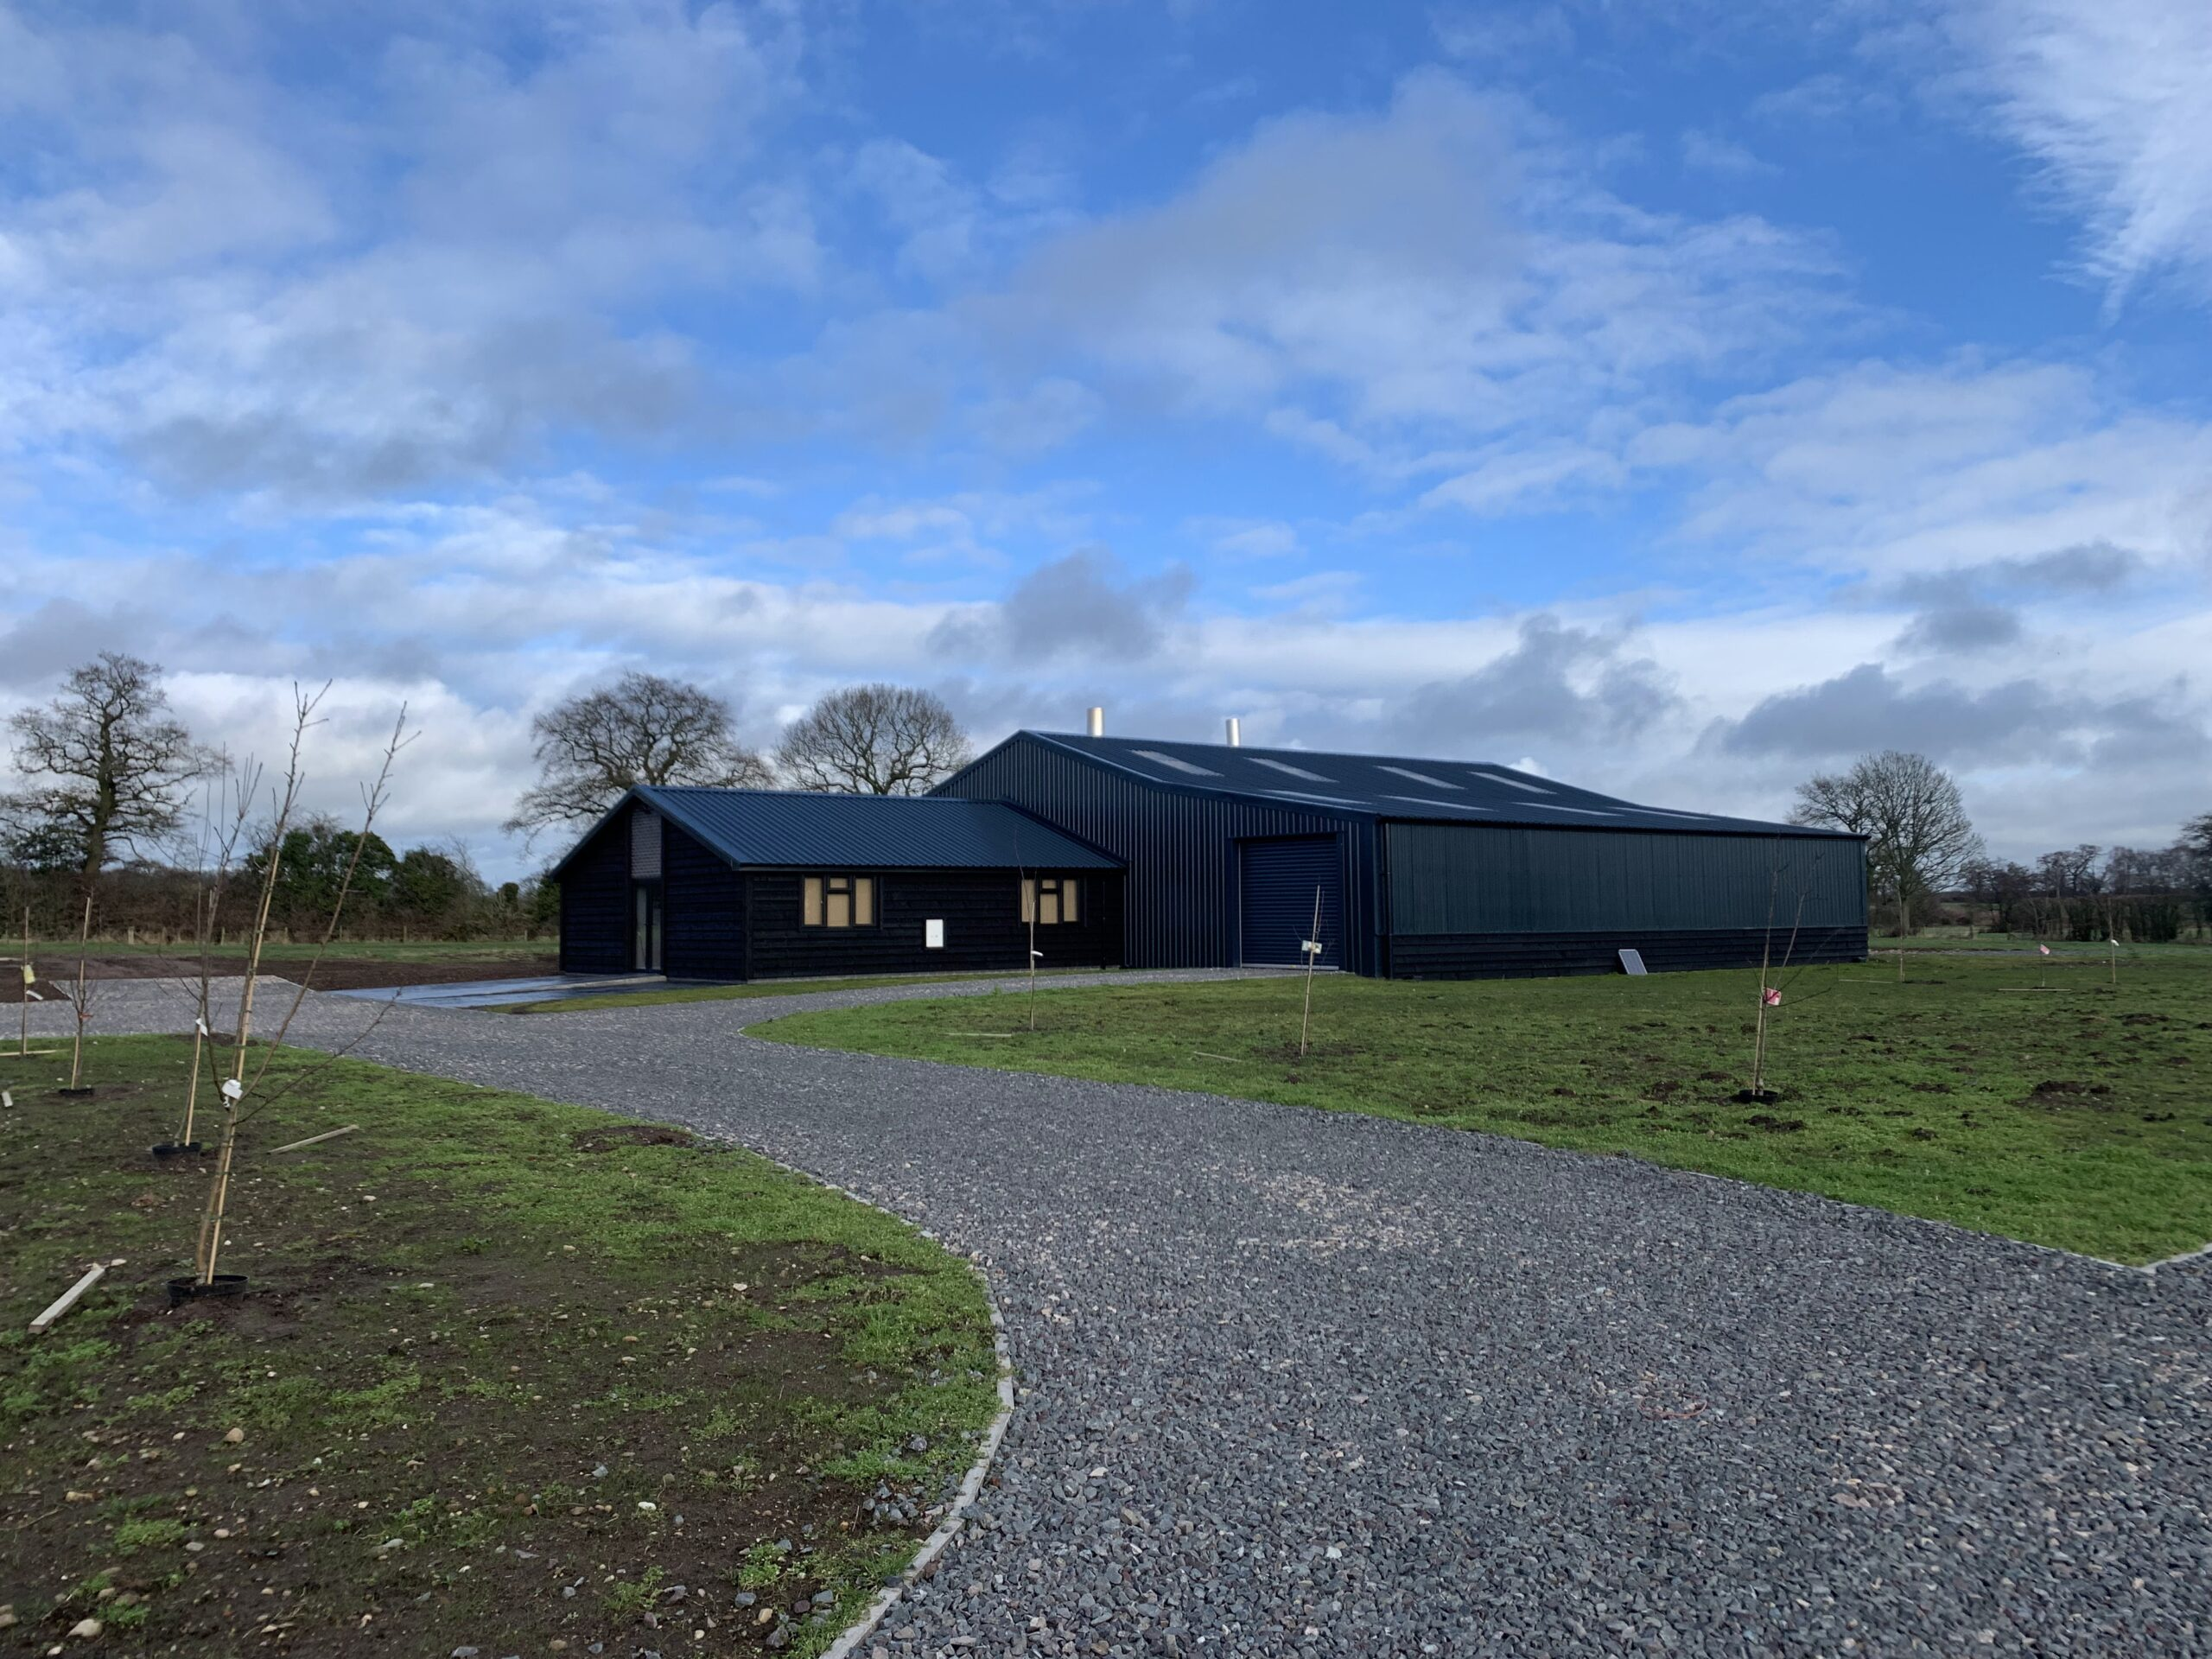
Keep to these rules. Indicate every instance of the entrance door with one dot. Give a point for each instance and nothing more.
(644, 927)
(1279, 880)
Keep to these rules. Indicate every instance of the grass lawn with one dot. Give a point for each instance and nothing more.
(2078, 1117)
(1957, 938)
(509, 1374)
(744, 993)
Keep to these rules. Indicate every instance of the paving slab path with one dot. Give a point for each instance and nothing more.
(1296, 1382)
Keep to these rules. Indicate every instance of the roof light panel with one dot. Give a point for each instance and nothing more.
(1419, 778)
(1449, 806)
(1176, 763)
(1511, 782)
(1286, 767)
(1309, 794)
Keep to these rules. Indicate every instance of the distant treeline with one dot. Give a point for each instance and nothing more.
(423, 892)
(2087, 893)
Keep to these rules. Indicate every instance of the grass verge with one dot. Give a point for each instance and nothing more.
(509, 1374)
(2078, 1117)
(428, 950)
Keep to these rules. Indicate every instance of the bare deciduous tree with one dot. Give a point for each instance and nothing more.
(1909, 809)
(873, 739)
(2196, 835)
(109, 769)
(642, 729)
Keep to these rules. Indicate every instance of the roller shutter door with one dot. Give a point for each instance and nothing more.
(1278, 884)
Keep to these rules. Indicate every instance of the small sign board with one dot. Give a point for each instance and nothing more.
(1310, 947)
(933, 934)
(1632, 963)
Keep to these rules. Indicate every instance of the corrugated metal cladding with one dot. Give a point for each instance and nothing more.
(1181, 903)
(776, 829)
(1446, 878)
(1292, 892)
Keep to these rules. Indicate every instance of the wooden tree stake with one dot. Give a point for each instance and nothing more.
(328, 1135)
(68, 1298)
(1311, 945)
(77, 1049)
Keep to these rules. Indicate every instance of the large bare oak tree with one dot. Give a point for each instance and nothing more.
(109, 769)
(1909, 809)
(642, 729)
(873, 739)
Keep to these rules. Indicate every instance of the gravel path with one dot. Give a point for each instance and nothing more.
(1298, 1383)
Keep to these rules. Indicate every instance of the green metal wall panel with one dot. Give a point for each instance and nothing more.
(1451, 878)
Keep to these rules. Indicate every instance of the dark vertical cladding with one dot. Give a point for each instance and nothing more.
(1472, 879)
(704, 906)
(595, 902)
(1181, 895)
(1481, 902)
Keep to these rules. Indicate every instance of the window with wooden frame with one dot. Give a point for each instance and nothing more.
(840, 902)
(1050, 899)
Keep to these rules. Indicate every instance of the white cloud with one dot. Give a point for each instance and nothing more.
(1383, 284)
(479, 616)
(1244, 538)
(2112, 99)
(1889, 469)
(244, 284)
(935, 212)
(1708, 152)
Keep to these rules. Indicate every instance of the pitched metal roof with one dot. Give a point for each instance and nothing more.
(786, 828)
(1388, 786)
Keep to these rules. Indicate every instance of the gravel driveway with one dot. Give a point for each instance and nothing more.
(1296, 1382)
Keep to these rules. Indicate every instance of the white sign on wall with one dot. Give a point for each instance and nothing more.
(933, 934)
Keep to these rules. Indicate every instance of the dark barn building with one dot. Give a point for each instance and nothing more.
(1156, 855)
(756, 884)
(1424, 869)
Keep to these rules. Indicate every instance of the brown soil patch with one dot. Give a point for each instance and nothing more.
(633, 1134)
(455, 1433)
(2062, 1091)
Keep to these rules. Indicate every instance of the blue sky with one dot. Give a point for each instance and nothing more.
(1676, 398)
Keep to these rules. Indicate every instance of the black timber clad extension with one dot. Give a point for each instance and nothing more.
(723, 920)
(595, 901)
(981, 910)
(703, 910)
(1180, 893)
(1282, 879)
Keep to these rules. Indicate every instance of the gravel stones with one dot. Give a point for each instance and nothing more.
(1301, 1382)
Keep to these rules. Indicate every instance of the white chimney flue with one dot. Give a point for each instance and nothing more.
(1233, 739)
(1095, 722)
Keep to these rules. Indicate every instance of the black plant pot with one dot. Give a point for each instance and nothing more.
(170, 1151)
(77, 1091)
(190, 1289)
(1758, 1096)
